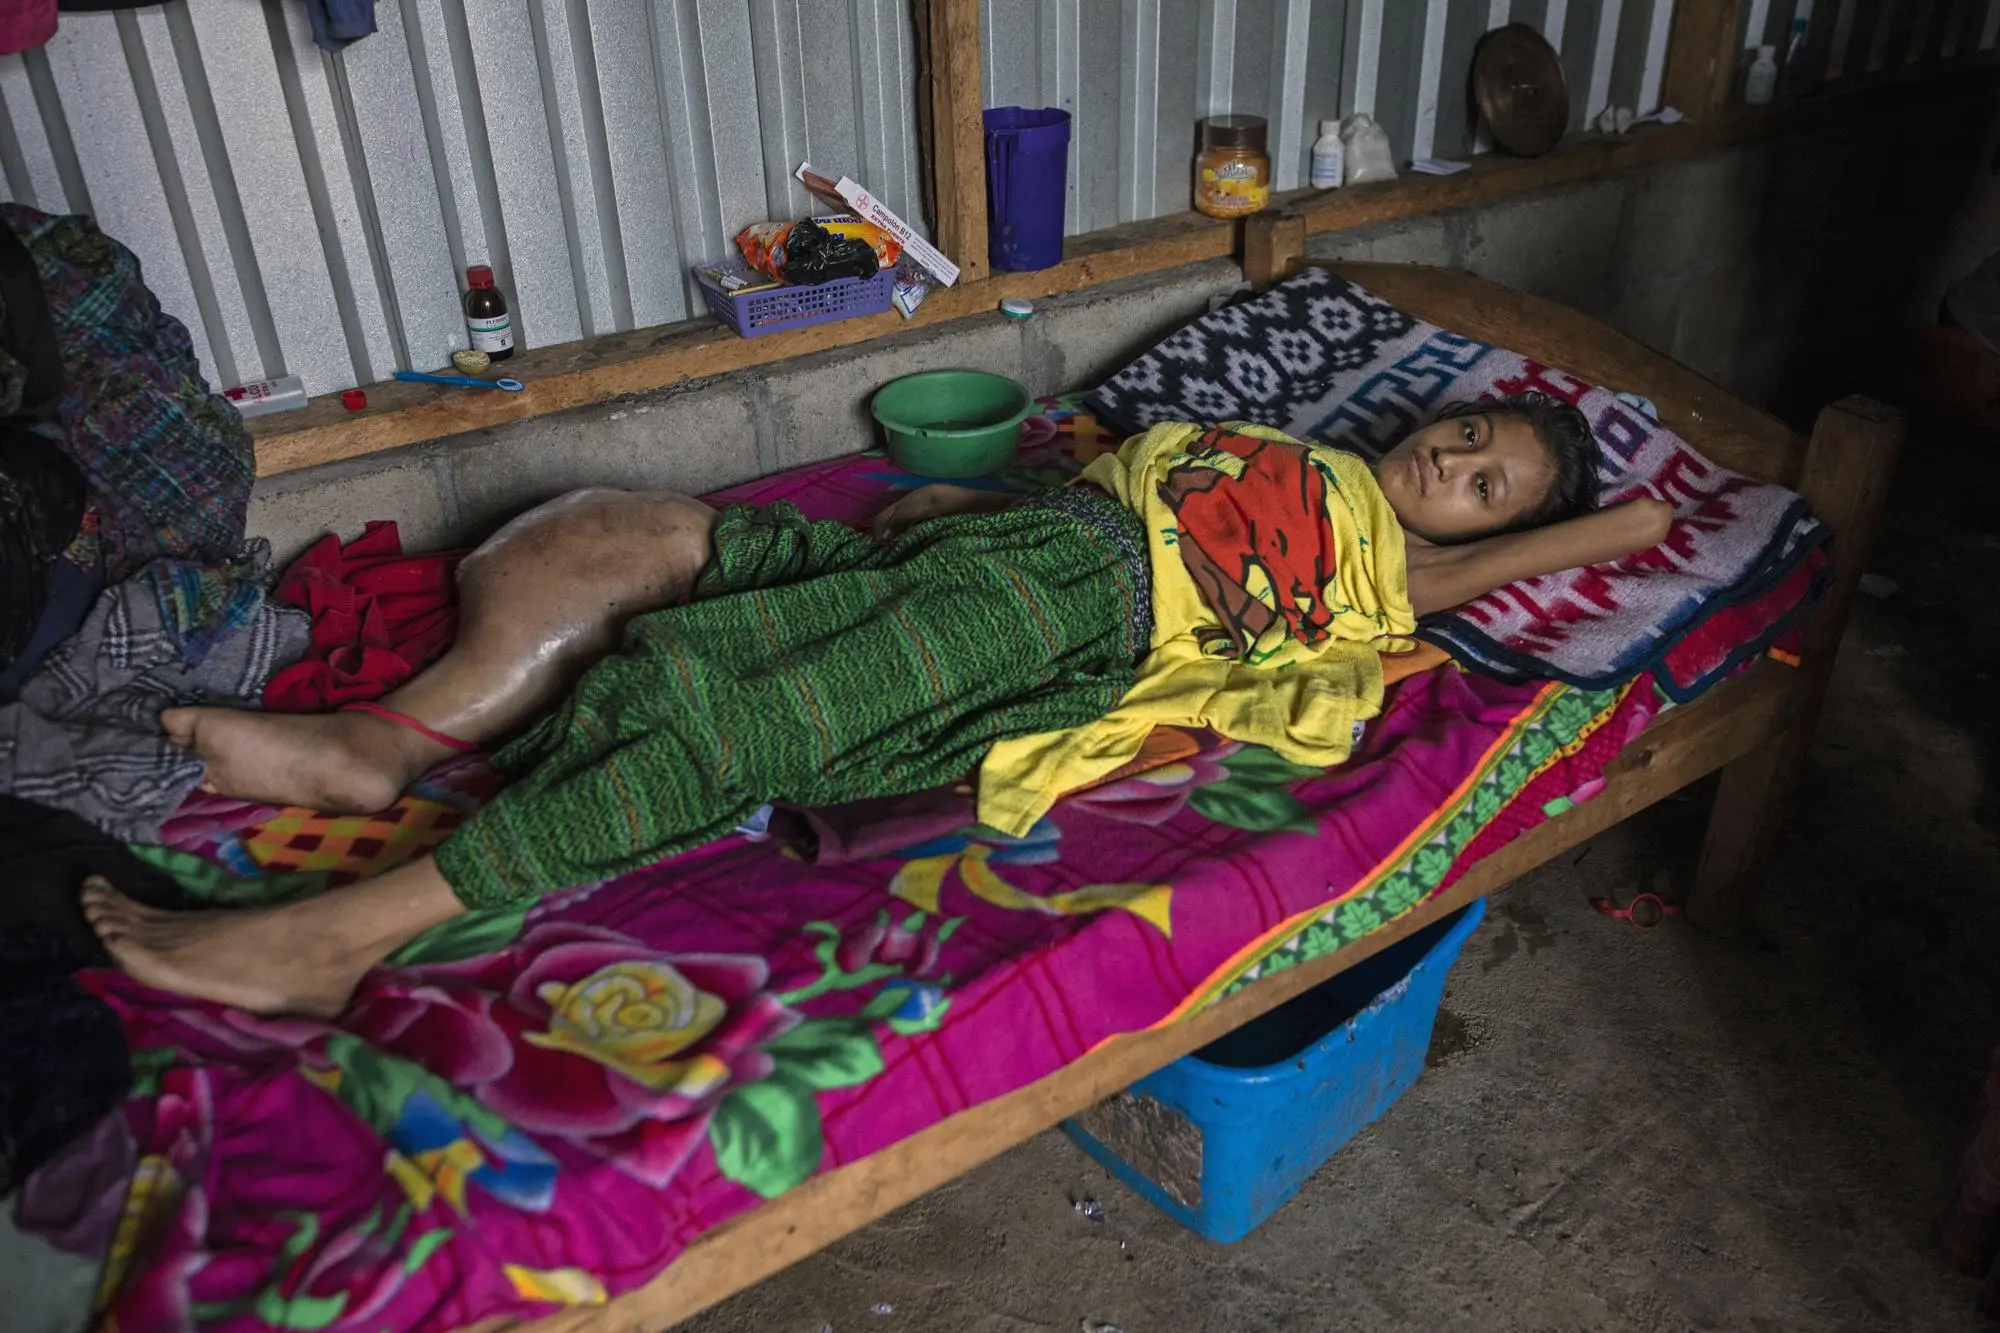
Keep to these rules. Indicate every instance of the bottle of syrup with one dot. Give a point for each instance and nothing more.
(486, 316)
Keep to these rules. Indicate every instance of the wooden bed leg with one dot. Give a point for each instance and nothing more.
(1846, 478)
(1274, 242)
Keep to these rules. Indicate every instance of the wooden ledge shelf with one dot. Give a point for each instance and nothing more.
(597, 370)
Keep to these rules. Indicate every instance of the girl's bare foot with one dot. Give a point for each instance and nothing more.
(301, 958)
(342, 763)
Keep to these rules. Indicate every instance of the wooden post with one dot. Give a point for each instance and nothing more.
(957, 136)
(1701, 56)
(1274, 242)
(1847, 467)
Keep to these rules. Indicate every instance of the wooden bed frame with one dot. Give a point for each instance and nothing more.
(1754, 728)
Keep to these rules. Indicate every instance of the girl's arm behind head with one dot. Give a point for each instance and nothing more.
(1446, 576)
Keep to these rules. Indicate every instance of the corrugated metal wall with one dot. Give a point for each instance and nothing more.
(1137, 75)
(1849, 37)
(313, 214)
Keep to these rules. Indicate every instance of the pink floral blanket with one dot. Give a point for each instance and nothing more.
(532, 1111)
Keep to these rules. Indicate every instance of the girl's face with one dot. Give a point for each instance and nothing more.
(1466, 477)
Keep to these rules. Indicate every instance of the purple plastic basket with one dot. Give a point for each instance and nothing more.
(775, 309)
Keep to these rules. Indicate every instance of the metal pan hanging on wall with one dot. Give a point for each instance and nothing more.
(1518, 84)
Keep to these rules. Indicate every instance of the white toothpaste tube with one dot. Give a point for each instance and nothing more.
(267, 396)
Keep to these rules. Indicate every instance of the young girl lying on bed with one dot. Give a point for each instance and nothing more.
(1231, 577)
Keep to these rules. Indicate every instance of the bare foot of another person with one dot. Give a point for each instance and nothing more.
(300, 958)
(341, 763)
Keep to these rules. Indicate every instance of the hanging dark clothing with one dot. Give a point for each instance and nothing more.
(42, 492)
(338, 24)
(63, 1062)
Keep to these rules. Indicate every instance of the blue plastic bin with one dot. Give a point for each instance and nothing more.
(1218, 1140)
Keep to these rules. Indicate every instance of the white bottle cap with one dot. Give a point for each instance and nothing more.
(1327, 127)
(1767, 53)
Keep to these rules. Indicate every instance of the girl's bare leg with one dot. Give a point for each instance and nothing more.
(301, 958)
(538, 602)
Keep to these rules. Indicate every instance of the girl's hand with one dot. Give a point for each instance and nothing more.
(935, 501)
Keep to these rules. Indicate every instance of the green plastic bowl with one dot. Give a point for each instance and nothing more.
(952, 423)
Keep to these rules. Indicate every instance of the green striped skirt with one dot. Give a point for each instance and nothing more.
(815, 666)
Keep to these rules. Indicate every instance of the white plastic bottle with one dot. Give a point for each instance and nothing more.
(1329, 156)
(1762, 81)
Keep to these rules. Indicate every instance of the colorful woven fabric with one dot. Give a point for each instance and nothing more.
(250, 839)
(203, 605)
(356, 845)
(1321, 359)
(816, 665)
(169, 463)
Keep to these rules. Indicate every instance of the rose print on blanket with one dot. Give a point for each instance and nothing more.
(972, 852)
(583, 1033)
(347, 1276)
(1244, 786)
(440, 1150)
(884, 948)
(1173, 764)
(767, 1135)
(631, 1054)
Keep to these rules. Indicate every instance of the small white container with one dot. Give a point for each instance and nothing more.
(267, 396)
(1329, 157)
(1761, 83)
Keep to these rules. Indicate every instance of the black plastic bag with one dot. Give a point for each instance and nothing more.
(814, 254)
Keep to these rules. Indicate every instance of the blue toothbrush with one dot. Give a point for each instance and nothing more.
(462, 381)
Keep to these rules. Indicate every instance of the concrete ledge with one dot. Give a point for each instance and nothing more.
(406, 486)
(1077, 341)
(704, 436)
(696, 440)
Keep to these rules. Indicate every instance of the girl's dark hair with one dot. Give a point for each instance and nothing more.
(1565, 433)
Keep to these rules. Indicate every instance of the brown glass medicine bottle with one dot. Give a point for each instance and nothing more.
(486, 318)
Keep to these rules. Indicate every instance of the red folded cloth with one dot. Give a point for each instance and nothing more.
(379, 617)
(1736, 633)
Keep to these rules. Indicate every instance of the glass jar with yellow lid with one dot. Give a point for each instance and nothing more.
(1232, 177)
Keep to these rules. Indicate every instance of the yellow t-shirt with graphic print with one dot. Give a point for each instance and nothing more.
(1278, 576)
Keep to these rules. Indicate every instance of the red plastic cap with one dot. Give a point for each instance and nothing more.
(479, 275)
(354, 400)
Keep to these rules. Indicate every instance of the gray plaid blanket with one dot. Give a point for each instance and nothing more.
(85, 735)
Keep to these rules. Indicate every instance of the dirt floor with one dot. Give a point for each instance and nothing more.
(1619, 1129)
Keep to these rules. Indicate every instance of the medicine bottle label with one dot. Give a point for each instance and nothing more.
(491, 333)
(1327, 166)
